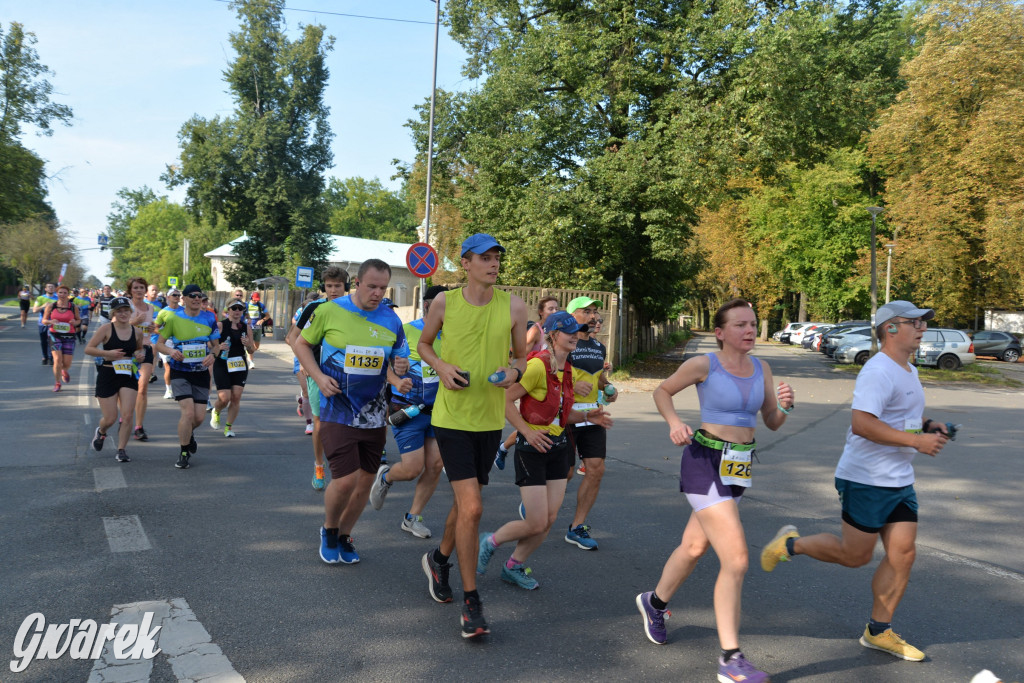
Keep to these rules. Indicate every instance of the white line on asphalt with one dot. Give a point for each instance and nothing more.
(990, 569)
(108, 478)
(85, 417)
(125, 534)
(187, 645)
(83, 380)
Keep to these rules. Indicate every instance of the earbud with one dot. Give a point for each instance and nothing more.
(892, 329)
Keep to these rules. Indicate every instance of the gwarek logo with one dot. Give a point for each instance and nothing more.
(82, 640)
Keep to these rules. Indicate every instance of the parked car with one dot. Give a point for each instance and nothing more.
(946, 349)
(857, 351)
(797, 336)
(835, 340)
(840, 328)
(1002, 345)
(788, 330)
(811, 338)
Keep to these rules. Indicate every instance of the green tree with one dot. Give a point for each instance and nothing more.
(37, 248)
(261, 169)
(358, 207)
(123, 211)
(153, 244)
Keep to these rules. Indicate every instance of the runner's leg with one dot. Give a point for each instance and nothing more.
(893, 573)
(427, 483)
(586, 495)
(126, 397)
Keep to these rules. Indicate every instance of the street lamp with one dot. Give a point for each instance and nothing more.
(430, 142)
(888, 266)
(874, 211)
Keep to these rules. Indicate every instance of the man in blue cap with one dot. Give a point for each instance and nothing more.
(469, 411)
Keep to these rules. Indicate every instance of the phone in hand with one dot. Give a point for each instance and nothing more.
(465, 375)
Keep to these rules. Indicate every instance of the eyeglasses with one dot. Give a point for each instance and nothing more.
(195, 295)
(918, 323)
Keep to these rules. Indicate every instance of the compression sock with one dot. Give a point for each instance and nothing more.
(658, 603)
(876, 627)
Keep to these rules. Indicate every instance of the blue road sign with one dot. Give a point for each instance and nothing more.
(303, 277)
(421, 259)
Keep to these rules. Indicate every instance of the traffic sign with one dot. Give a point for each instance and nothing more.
(101, 239)
(304, 277)
(421, 259)
(172, 281)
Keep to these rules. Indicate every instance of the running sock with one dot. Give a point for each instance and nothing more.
(309, 422)
(384, 477)
(876, 627)
(491, 541)
(789, 546)
(658, 603)
(501, 447)
(184, 449)
(512, 563)
(439, 558)
(727, 654)
(332, 537)
(227, 425)
(409, 516)
(470, 595)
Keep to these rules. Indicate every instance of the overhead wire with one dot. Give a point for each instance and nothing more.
(350, 16)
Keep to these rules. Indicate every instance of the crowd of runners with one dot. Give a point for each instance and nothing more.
(447, 383)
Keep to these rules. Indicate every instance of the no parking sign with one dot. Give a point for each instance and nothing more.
(421, 259)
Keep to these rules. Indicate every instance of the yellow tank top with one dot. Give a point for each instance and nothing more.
(477, 339)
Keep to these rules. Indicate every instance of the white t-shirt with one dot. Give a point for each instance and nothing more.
(894, 395)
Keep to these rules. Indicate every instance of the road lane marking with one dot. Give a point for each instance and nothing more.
(188, 646)
(125, 534)
(83, 380)
(989, 569)
(109, 478)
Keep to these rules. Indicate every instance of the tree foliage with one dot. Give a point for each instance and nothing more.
(261, 169)
(358, 207)
(37, 248)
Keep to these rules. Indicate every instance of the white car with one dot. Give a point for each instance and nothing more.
(945, 349)
(797, 336)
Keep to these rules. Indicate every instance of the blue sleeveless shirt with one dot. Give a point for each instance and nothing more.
(726, 399)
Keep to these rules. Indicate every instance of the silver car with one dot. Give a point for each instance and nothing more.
(945, 349)
(857, 351)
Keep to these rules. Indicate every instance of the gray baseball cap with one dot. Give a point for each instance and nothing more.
(901, 309)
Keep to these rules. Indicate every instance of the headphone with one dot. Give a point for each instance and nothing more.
(892, 329)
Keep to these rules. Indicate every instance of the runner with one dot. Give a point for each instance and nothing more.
(257, 314)
(543, 454)
(143, 317)
(588, 359)
(115, 378)
(875, 476)
(732, 387)
(102, 304)
(468, 415)
(333, 282)
(358, 339)
(172, 307)
(194, 333)
(25, 303)
(61, 320)
(415, 437)
(229, 368)
(303, 409)
(535, 342)
(42, 301)
(84, 304)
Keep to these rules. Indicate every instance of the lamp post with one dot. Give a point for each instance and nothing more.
(888, 267)
(874, 211)
(430, 141)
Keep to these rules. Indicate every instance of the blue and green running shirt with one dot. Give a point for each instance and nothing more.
(355, 348)
(190, 336)
(424, 379)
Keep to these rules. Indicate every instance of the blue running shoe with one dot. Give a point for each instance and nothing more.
(519, 575)
(580, 536)
(522, 512)
(499, 459)
(346, 550)
(654, 618)
(739, 669)
(329, 547)
(484, 556)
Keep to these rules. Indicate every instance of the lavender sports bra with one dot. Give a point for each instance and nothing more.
(726, 399)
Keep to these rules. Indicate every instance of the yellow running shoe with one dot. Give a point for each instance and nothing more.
(890, 641)
(775, 551)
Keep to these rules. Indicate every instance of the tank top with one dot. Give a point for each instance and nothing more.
(115, 342)
(726, 399)
(148, 320)
(226, 332)
(477, 339)
(62, 316)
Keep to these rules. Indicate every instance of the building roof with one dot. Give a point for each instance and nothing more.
(345, 249)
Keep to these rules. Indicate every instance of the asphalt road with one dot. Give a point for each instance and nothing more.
(236, 537)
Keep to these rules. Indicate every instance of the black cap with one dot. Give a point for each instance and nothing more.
(433, 291)
(119, 302)
(192, 289)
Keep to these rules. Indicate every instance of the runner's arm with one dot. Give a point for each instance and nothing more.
(689, 373)
(783, 396)
(101, 337)
(538, 439)
(868, 426)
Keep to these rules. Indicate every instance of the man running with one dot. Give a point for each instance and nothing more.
(358, 339)
(875, 477)
(25, 303)
(333, 281)
(194, 333)
(469, 413)
(588, 362)
(42, 301)
(257, 314)
(102, 304)
(84, 303)
(172, 308)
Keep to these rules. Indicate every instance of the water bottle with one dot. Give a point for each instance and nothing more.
(609, 391)
(497, 377)
(952, 429)
(402, 416)
(227, 347)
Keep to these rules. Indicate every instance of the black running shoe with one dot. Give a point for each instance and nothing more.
(46, 361)
(437, 574)
(192, 445)
(182, 463)
(122, 456)
(473, 623)
(140, 434)
(97, 440)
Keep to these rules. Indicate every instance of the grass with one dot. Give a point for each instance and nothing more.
(974, 373)
(647, 364)
(10, 302)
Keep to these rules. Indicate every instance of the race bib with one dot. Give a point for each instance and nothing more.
(193, 353)
(105, 309)
(62, 328)
(912, 426)
(236, 364)
(429, 375)
(735, 467)
(254, 312)
(364, 360)
(123, 366)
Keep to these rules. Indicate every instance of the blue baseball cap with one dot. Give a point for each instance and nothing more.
(388, 302)
(563, 321)
(479, 243)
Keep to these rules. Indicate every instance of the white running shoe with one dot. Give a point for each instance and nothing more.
(215, 419)
(168, 393)
(309, 428)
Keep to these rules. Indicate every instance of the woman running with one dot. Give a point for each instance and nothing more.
(143, 316)
(229, 367)
(116, 378)
(62, 320)
(542, 455)
(715, 470)
(25, 302)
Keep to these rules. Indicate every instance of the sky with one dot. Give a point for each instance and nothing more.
(134, 71)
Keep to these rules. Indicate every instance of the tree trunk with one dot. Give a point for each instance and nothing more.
(801, 316)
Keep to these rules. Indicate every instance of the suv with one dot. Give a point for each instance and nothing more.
(855, 350)
(947, 349)
(1002, 345)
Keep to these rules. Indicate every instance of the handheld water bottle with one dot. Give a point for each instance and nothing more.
(400, 417)
(227, 347)
(609, 391)
(497, 377)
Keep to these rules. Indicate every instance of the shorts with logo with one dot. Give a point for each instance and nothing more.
(224, 380)
(313, 392)
(534, 468)
(65, 345)
(348, 449)
(190, 385)
(411, 435)
(591, 441)
(467, 455)
(109, 383)
(869, 508)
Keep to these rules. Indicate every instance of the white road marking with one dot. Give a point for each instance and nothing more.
(83, 380)
(989, 569)
(85, 417)
(125, 534)
(108, 478)
(189, 649)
